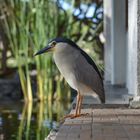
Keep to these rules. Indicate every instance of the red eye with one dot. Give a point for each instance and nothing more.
(53, 43)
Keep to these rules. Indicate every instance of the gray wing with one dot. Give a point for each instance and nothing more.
(88, 75)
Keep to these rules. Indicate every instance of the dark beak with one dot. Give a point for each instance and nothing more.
(46, 49)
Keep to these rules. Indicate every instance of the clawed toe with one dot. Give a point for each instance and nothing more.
(77, 109)
(69, 116)
(72, 116)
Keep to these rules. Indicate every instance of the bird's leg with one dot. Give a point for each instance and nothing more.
(79, 109)
(80, 104)
(76, 108)
(78, 112)
(77, 104)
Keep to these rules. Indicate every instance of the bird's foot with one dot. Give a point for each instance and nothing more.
(72, 116)
(80, 115)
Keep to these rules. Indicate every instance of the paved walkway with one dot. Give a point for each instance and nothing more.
(102, 124)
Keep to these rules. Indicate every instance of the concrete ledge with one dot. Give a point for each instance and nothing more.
(101, 124)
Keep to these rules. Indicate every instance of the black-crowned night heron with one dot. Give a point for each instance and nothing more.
(78, 69)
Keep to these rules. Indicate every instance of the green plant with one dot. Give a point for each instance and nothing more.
(30, 24)
(29, 27)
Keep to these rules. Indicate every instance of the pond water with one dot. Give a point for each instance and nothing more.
(19, 121)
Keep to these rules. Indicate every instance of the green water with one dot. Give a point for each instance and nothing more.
(20, 121)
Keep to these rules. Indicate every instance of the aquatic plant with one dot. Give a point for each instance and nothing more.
(30, 24)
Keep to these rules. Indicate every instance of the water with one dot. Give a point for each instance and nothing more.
(20, 121)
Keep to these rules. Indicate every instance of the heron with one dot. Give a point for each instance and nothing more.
(78, 69)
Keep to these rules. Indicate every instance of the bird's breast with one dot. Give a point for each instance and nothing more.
(67, 65)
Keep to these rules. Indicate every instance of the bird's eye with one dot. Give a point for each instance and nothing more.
(53, 43)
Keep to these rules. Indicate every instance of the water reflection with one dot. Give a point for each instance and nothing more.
(32, 121)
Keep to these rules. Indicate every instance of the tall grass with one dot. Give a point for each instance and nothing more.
(17, 29)
(30, 24)
(44, 27)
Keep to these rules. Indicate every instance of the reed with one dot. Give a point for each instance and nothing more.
(28, 122)
(17, 26)
(29, 27)
(21, 124)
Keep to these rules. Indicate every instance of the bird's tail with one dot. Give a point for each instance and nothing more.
(102, 100)
(102, 97)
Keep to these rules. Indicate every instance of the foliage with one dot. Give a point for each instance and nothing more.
(30, 24)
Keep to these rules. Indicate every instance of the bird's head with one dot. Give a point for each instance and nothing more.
(57, 45)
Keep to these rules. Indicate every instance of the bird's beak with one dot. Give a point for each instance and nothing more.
(46, 49)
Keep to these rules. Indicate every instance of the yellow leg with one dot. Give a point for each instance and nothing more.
(77, 104)
(79, 114)
(80, 105)
(77, 108)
